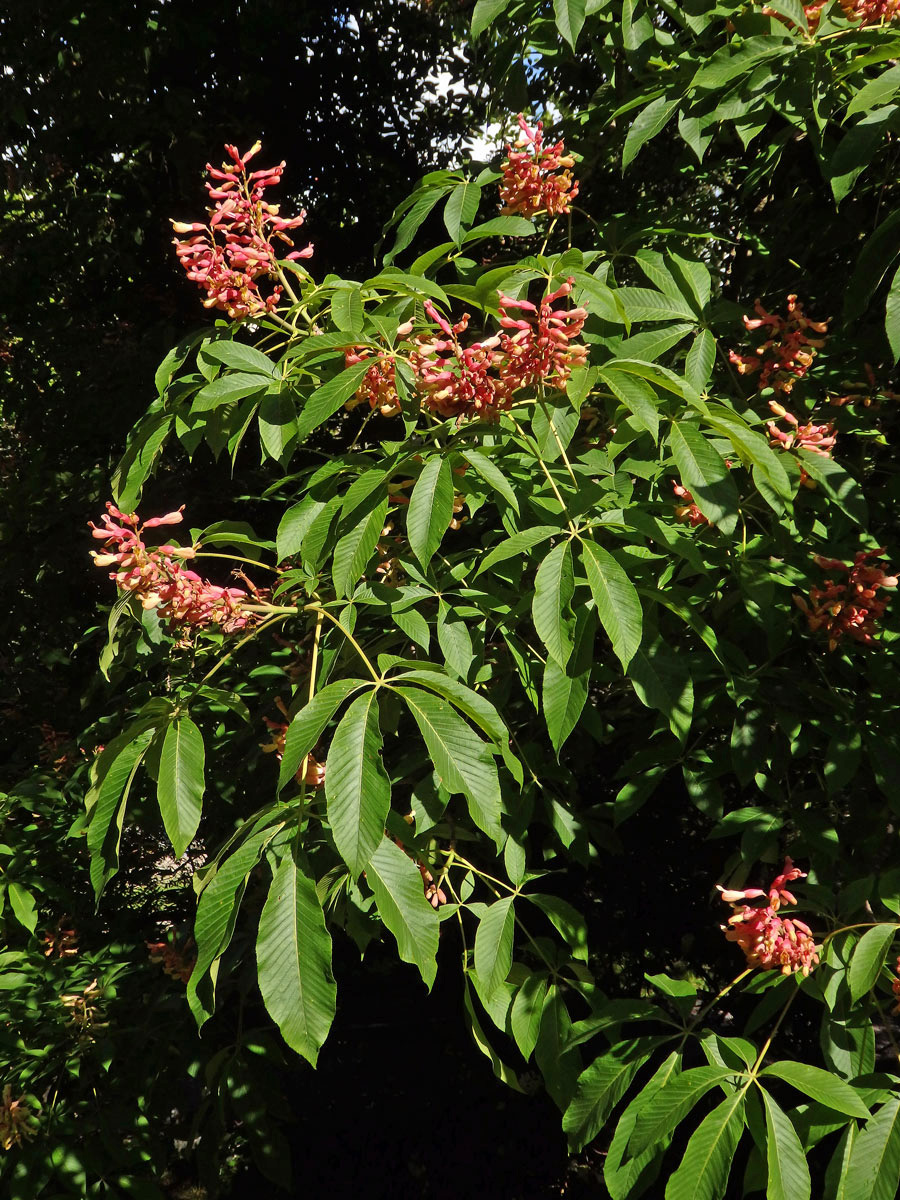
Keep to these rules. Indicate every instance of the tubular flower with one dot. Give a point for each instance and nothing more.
(768, 940)
(379, 386)
(19, 1121)
(871, 12)
(688, 510)
(456, 381)
(539, 347)
(160, 580)
(533, 179)
(788, 351)
(227, 256)
(817, 439)
(868, 394)
(851, 606)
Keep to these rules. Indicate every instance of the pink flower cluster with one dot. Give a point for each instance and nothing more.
(848, 607)
(459, 381)
(159, 579)
(533, 179)
(687, 510)
(818, 439)
(227, 256)
(480, 380)
(871, 12)
(541, 350)
(379, 385)
(788, 351)
(768, 940)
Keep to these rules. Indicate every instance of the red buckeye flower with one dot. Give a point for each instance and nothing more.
(768, 940)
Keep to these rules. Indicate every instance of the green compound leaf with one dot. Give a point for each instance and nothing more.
(430, 509)
(494, 945)
(181, 782)
(788, 1172)
(397, 885)
(357, 787)
(868, 959)
(293, 953)
(554, 584)
(618, 604)
(704, 1170)
(463, 762)
(820, 1085)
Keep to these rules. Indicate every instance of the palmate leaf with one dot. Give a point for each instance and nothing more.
(494, 944)
(217, 911)
(397, 886)
(293, 954)
(704, 474)
(554, 584)
(307, 726)
(873, 1172)
(671, 1104)
(181, 784)
(107, 814)
(357, 787)
(463, 762)
(788, 1172)
(819, 1085)
(602, 1085)
(868, 959)
(618, 604)
(704, 1170)
(629, 1177)
(355, 548)
(430, 509)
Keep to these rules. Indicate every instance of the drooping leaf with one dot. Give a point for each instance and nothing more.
(397, 885)
(327, 399)
(821, 1085)
(306, 727)
(554, 584)
(618, 604)
(874, 1167)
(181, 783)
(668, 1107)
(430, 509)
(494, 944)
(601, 1086)
(355, 548)
(463, 762)
(357, 787)
(868, 959)
(569, 16)
(293, 954)
(704, 473)
(704, 1169)
(788, 1172)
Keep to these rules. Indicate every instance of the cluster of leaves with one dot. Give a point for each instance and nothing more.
(507, 649)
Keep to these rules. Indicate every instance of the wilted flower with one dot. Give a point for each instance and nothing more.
(19, 1120)
(687, 510)
(541, 349)
(86, 1011)
(787, 353)
(158, 578)
(227, 256)
(534, 180)
(850, 606)
(768, 940)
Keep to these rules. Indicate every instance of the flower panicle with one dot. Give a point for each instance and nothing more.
(536, 178)
(227, 256)
(769, 940)
(849, 607)
(789, 348)
(160, 580)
